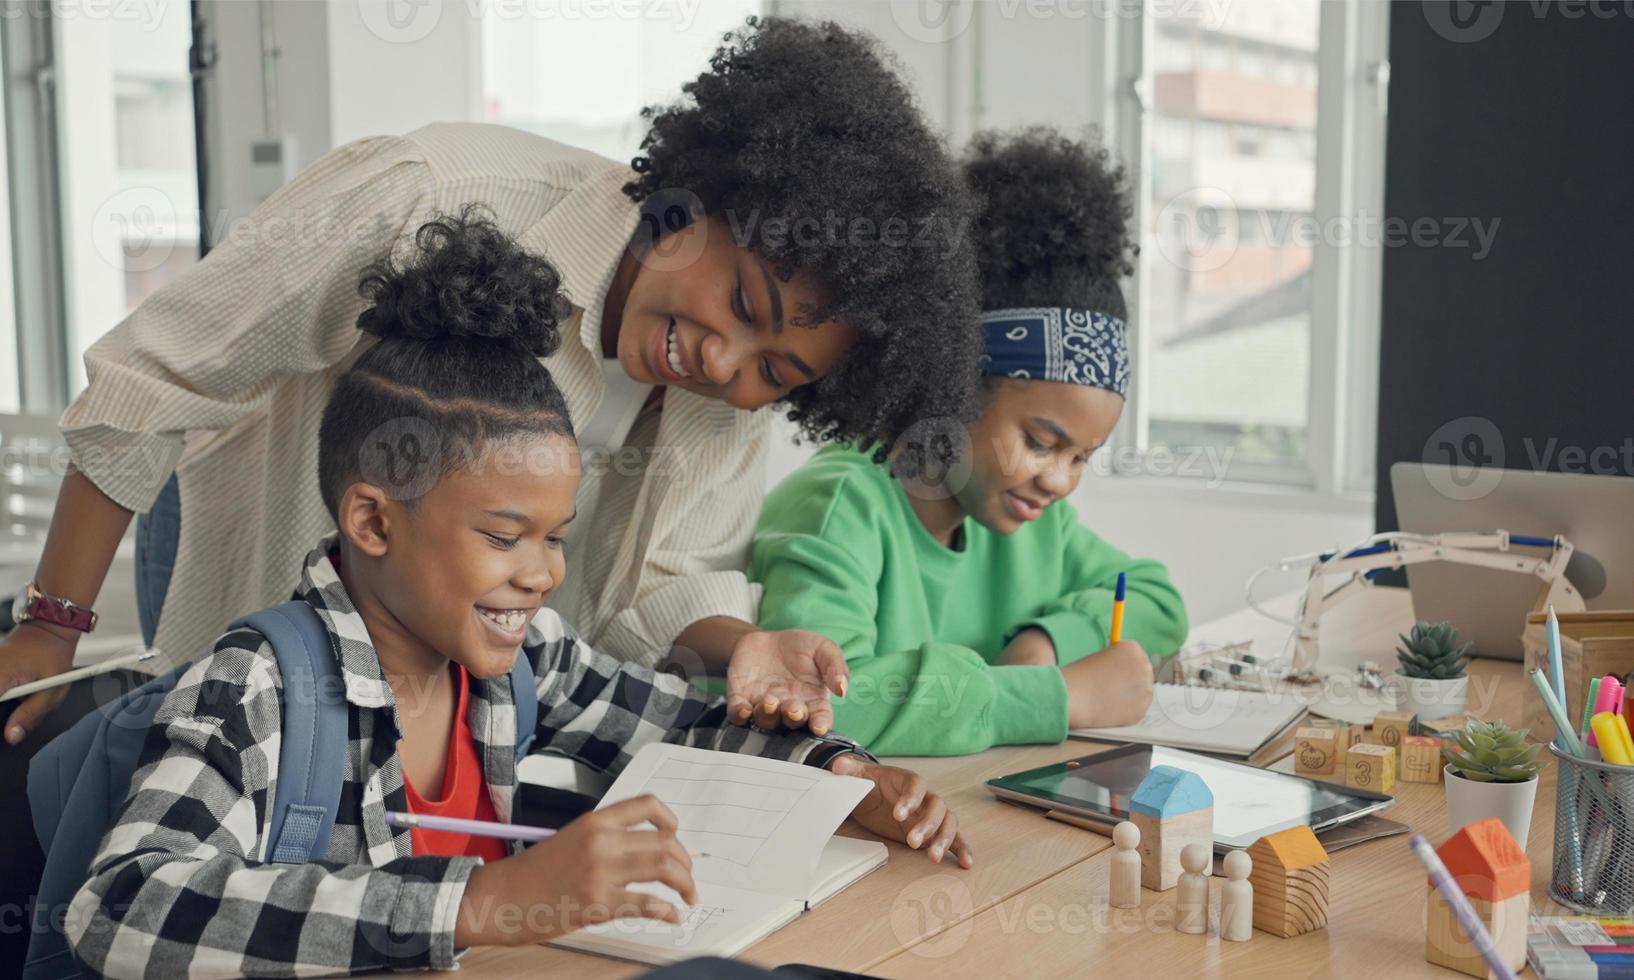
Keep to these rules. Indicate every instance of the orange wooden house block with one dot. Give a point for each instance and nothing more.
(1496, 876)
(1290, 879)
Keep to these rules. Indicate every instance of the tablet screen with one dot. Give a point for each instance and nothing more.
(1248, 802)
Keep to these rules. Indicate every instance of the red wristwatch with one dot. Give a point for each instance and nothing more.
(54, 609)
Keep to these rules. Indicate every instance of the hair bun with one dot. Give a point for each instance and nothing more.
(468, 280)
(1051, 204)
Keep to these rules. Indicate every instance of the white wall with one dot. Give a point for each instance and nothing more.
(395, 66)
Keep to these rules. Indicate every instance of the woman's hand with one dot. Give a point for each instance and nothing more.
(31, 652)
(902, 807)
(784, 677)
(579, 877)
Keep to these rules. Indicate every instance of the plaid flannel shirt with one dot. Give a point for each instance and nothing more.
(181, 884)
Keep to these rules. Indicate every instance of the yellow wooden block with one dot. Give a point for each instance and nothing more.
(1420, 759)
(1317, 751)
(1371, 767)
(1390, 727)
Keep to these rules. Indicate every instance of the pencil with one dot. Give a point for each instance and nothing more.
(69, 677)
(1556, 672)
(477, 828)
(1117, 612)
(1468, 920)
(480, 828)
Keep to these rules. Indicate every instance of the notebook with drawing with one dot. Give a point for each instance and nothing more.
(1219, 721)
(762, 835)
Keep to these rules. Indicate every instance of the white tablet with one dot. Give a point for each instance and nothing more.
(1248, 802)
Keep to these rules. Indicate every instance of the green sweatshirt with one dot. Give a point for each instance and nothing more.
(840, 551)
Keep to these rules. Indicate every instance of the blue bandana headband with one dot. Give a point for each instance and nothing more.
(1058, 343)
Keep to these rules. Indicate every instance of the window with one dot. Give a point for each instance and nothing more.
(584, 79)
(1249, 306)
(10, 397)
(128, 176)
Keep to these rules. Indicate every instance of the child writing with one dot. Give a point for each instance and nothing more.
(973, 607)
(448, 461)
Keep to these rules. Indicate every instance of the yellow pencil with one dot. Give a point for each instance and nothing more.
(1117, 612)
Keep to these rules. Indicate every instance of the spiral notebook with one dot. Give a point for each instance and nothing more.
(762, 835)
(1219, 721)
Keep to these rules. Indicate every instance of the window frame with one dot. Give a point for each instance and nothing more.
(30, 92)
(1342, 391)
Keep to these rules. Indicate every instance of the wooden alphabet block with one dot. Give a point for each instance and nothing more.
(1371, 767)
(1420, 759)
(1290, 880)
(1348, 734)
(1172, 808)
(1317, 751)
(1390, 727)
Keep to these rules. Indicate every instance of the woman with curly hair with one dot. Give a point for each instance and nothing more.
(791, 233)
(974, 608)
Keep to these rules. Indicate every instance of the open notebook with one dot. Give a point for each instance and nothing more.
(1220, 721)
(762, 835)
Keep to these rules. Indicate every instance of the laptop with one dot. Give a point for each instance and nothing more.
(1489, 606)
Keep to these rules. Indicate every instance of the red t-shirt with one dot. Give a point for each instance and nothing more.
(464, 793)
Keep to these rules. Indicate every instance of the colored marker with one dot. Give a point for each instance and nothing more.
(1117, 611)
(1608, 696)
(1589, 702)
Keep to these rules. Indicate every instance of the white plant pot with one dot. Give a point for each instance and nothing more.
(1469, 801)
(1429, 699)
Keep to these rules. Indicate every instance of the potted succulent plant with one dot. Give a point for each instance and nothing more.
(1493, 772)
(1431, 682)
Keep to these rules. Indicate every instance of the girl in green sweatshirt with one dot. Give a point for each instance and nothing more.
(973, 607)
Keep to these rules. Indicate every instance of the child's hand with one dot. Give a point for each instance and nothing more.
(1110, 687)
(784, 677)
(902, 807)
(579, 877)
(1031, 646)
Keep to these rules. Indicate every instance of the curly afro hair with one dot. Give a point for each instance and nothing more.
(1054, 229)
(801, 123)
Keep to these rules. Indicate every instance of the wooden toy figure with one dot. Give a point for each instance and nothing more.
(1172, 808)
(1420, 758)
(1191, 899)
(1125, 889)
(1496, 875)
(1317, 750)
(1237, 899)
(1290, 882)
(1371, 767)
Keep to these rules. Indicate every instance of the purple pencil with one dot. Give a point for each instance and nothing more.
(479, 828)
(1461, 908)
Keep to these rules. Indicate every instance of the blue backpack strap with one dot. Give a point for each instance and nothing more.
(312, 757)
(525, 694)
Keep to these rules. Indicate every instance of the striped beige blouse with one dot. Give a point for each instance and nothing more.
(222, 375)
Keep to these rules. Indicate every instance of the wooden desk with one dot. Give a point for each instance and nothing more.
(1036, 900)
